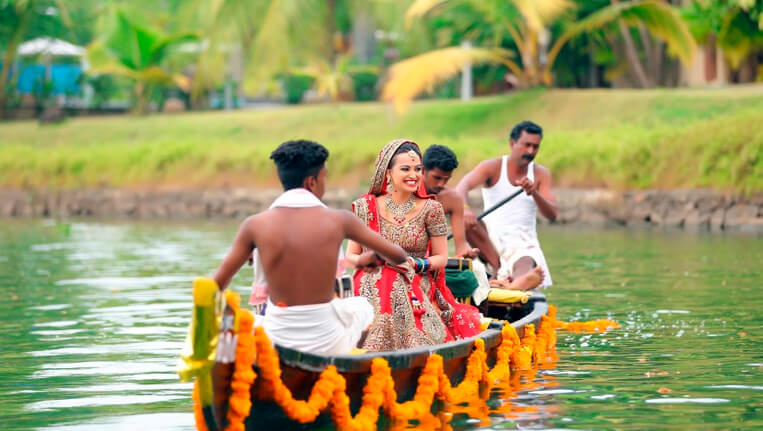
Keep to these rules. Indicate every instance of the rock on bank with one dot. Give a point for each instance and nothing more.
(689, 209)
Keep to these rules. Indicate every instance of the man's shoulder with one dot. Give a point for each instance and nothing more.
(490, 163)
(541, 170)
(449, 199)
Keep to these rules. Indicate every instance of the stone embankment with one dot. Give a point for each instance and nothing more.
(689, 209)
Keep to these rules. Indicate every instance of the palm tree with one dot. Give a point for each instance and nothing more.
(527, 22)
(734, 26)
(18, 17)
(277, 37)
(139, 54)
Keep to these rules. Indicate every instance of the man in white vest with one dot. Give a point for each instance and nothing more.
(508, 240)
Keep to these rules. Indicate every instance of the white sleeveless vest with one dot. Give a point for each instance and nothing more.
(520, 212)
(513, 224)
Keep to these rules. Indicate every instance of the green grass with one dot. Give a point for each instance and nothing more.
(623, 139)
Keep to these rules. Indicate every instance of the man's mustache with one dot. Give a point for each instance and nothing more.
(528, 157)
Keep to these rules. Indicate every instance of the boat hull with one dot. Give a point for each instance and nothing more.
(301, 370)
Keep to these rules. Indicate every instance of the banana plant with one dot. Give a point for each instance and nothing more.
(140, 54)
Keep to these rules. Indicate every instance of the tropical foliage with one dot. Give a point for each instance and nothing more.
(735, 26)
(527, 24)
(140, 54)
(340, 49)
(24, 18)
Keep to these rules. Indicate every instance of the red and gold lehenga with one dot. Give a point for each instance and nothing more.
(411, 309)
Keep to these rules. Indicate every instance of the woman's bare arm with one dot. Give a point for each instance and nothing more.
(361, 235)
(439, 252)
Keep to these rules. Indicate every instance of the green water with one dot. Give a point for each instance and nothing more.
(93, 315)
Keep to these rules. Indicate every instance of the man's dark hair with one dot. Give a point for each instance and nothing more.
(297, 160)
(440, 156)
(525, 126)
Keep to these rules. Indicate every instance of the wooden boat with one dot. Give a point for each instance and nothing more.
(301, 370)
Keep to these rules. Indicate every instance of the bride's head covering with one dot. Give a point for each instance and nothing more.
(379, 180)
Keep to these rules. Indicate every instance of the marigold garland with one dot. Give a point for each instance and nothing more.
(329, 391)
(239, 402)
(198, 415)
(601, 325)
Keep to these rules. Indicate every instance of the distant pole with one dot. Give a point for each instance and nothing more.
(466, 75)
(228, 94)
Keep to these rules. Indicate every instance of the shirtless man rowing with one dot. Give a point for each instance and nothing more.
(298, 240)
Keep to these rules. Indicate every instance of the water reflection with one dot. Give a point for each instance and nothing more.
(93, 315)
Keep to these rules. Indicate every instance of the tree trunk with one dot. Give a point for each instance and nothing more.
(141, 98)
(593, 72)
(530, 59)
(331, 29)
(363, 43)
(711, 62)
(7, 65)
(646, 42)
(10, 54)
(658, 64)
(631, 55)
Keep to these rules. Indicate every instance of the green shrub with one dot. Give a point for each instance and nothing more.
(364, 85)
(295, 86)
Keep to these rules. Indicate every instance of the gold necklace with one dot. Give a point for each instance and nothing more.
(399, 212)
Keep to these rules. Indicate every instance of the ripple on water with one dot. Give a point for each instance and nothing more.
(163, 421)
(103, 368)
(102, 400)
(125, 289)
(127, 282)
(50, 307)
(755, 388)
(687, 401)
(132, 387)
(155, 347)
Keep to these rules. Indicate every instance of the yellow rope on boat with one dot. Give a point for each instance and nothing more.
(329, 392)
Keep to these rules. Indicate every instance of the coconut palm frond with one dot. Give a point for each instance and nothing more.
(411, 77)
(286, 23)
(538, 13)
(661, 19)
(734, 37)
(664, 22)
(271, 37)
(420, 8)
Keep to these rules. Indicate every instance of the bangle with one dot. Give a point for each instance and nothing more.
(415, 264)
(422, 265)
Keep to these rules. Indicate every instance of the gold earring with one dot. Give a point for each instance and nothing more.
(390, 186)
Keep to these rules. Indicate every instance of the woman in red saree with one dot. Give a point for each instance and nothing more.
(412, 305)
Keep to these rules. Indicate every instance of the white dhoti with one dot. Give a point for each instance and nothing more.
(332, 328)
(513, 244)
(483, 284)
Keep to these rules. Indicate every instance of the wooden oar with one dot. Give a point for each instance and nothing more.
(495, 207)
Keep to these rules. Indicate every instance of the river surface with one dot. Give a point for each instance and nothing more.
(93, 315)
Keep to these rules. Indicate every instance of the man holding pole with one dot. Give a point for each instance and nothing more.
(508, 240)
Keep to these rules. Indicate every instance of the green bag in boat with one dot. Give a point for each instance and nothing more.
(461, 282)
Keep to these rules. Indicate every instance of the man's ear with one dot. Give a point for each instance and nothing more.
(310, 183)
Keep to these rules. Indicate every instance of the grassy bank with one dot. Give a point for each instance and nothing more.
(618, 138)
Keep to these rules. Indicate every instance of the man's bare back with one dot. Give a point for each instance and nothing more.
(298, 248)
